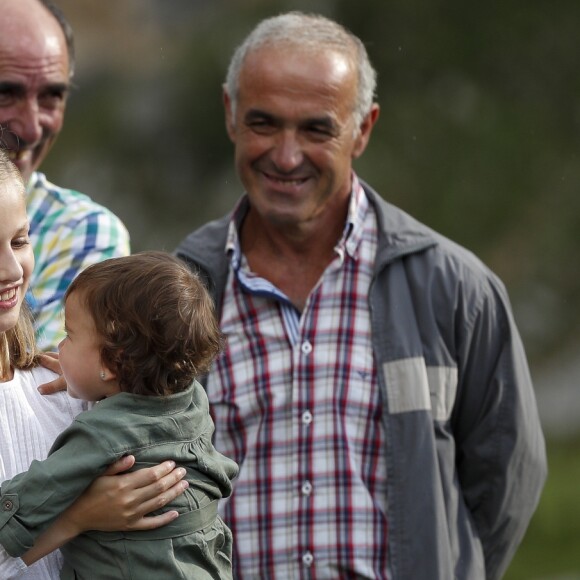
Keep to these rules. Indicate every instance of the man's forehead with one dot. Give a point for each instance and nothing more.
(36, 60)
(28, 26)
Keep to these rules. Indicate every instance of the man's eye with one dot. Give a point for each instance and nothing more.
(7, 96)
(261, 126)
(320, 132)
(52, 99)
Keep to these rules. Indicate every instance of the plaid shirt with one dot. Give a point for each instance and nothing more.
(68, 232)
(296, 403)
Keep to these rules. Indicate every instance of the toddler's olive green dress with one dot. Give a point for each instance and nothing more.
(197, 545)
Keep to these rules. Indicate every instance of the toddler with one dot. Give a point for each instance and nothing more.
(140, 329)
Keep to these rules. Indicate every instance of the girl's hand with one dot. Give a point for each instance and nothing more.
(50, 361)
(116, 502)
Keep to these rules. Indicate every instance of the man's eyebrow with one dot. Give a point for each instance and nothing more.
(11, 86)
(323, 121)
(64, 87)
(17, 87)
(60, 88)
(253, 114)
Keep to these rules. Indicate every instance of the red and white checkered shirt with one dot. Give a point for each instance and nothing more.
(296, 403)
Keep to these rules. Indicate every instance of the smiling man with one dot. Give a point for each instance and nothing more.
(68, 230)
(374, 388)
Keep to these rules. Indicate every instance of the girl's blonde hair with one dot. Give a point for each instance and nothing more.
(18, 344)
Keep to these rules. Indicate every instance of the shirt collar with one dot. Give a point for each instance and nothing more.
(34, 180)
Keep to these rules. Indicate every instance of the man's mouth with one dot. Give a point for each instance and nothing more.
(291, 182)
(17, 150)
(286, 181)
(12, 155)
(16, 155)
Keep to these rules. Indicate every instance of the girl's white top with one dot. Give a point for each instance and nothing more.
(29, 424)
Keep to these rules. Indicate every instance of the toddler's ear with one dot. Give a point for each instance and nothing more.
(106, 374)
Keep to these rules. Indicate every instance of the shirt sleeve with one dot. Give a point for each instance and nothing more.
(66, 250)
(10, 568)
(32, 500)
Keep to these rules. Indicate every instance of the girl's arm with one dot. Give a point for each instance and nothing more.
(115, 503)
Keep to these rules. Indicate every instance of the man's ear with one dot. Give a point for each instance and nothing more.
(230, 121)
(365, 130)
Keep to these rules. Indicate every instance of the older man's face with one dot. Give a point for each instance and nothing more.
(294, 133)
(34, 82)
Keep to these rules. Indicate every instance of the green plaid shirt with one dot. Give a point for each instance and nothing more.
(68, 232)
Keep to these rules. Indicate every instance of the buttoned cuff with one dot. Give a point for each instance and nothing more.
(15, 538)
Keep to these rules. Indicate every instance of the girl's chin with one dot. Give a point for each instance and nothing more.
(8, 318)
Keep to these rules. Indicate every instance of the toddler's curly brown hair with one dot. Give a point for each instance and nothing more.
(154, 319)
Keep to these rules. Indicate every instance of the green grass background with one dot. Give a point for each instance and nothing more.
(551, 547)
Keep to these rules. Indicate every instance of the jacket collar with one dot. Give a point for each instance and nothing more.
(399, 233)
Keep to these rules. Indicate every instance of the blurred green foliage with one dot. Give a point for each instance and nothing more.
(550, 548)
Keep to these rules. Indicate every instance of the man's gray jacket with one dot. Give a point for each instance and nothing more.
(465, 452)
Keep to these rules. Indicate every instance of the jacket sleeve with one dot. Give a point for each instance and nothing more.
(30, 501)
(501, 458)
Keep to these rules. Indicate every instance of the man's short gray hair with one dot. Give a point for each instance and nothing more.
(67, 31)
(312, 32)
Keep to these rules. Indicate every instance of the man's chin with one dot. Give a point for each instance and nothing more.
(27, 160)
(26, 169)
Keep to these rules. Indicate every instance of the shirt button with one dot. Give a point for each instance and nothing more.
(306, 347)
(306, 488)
(7, 505)
(307, 559)
(307, 417)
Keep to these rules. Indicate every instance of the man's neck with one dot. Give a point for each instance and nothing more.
(291, 259)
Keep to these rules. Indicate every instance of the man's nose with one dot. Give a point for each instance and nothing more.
(27, 124)
(287, 152)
